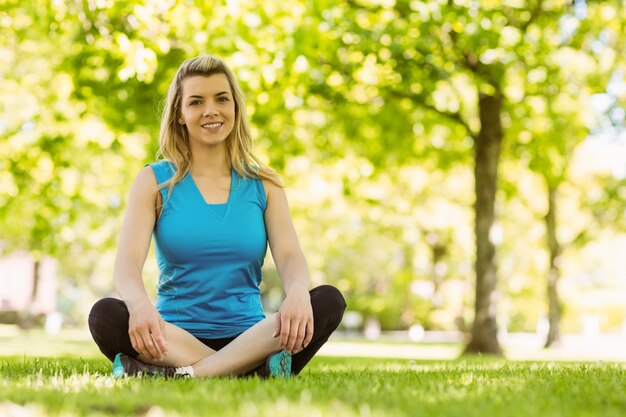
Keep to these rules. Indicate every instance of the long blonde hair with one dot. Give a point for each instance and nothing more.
(174, 139)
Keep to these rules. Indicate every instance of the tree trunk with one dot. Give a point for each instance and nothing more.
(27, 318)
(438, 249)
(554, 309)
(487, 148)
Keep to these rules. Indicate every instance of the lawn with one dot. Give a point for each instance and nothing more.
(65, 383)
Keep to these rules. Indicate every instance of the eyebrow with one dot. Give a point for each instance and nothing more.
(221, 93)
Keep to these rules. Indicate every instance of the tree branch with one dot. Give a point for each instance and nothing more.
(420, 100)
(523, 26)
(533, 15)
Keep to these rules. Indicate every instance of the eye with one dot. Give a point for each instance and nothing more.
(223, 99)
(194, 102)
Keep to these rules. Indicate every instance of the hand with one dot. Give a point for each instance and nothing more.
(146, 329)
(294, 321)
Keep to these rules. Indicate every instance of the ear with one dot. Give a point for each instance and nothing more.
(181, 122)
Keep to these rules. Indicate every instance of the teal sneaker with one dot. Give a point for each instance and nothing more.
(278, 365)
(124, 365)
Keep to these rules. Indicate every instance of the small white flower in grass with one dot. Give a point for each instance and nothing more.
(156, 412)
(9, 409)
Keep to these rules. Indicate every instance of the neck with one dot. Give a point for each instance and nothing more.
(210, 161)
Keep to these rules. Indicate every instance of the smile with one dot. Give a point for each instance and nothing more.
(212, 125)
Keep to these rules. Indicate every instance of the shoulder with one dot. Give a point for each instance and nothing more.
(162, 164)
(144, 189)
(272, 183)
(162, 170)
(269, 178)
(273, 186)
(264, 179)
(146, 179)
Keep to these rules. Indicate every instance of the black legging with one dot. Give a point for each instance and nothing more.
(108, 323)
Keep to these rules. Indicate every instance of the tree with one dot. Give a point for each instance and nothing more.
(574, 62)
(62, 166)
(450, 61)
(355, 91)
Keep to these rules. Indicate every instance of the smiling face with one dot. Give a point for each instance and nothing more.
(207, 109)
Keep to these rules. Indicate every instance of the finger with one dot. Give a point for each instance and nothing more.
(133, 342)
(137, 342)
(142, 346)
(156, 345)
(293, 336)
(309, 333)
(284, 332)
(277, 327)
(157, 348)
(151, 349)
(297, 345)
(158, 337)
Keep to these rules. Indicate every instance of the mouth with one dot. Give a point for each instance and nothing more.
(212, 125)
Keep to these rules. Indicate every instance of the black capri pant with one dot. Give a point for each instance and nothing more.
(108, 323)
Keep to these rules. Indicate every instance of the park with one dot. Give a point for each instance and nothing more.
(456, 169)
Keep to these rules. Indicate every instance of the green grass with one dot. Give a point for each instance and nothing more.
(330, 387)
(65, 376)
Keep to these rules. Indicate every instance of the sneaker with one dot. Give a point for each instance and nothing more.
(278, 365)
(124, 365)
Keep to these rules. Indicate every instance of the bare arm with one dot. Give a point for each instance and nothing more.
(146, 327)
(295, 316)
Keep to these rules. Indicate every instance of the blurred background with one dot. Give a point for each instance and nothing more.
(457, 168)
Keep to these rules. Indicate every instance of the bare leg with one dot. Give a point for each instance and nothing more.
(247, 352)
(183, 348)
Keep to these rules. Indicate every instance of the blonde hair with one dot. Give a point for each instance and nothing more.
(174, 139)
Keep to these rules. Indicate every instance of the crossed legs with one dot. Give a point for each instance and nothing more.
(108, 322)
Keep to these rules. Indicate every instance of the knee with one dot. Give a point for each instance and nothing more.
(106, 310)
(331, 297)
(108, 324)
(103, 307)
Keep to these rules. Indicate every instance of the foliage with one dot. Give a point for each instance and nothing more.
(63, 170)
(367, 108)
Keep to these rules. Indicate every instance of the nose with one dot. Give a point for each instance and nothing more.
(209, 111)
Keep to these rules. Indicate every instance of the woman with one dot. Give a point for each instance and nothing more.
(212, 207)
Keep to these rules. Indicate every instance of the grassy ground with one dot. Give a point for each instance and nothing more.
(63, 382)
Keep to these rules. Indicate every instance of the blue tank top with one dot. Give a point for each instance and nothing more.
(210, 256)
